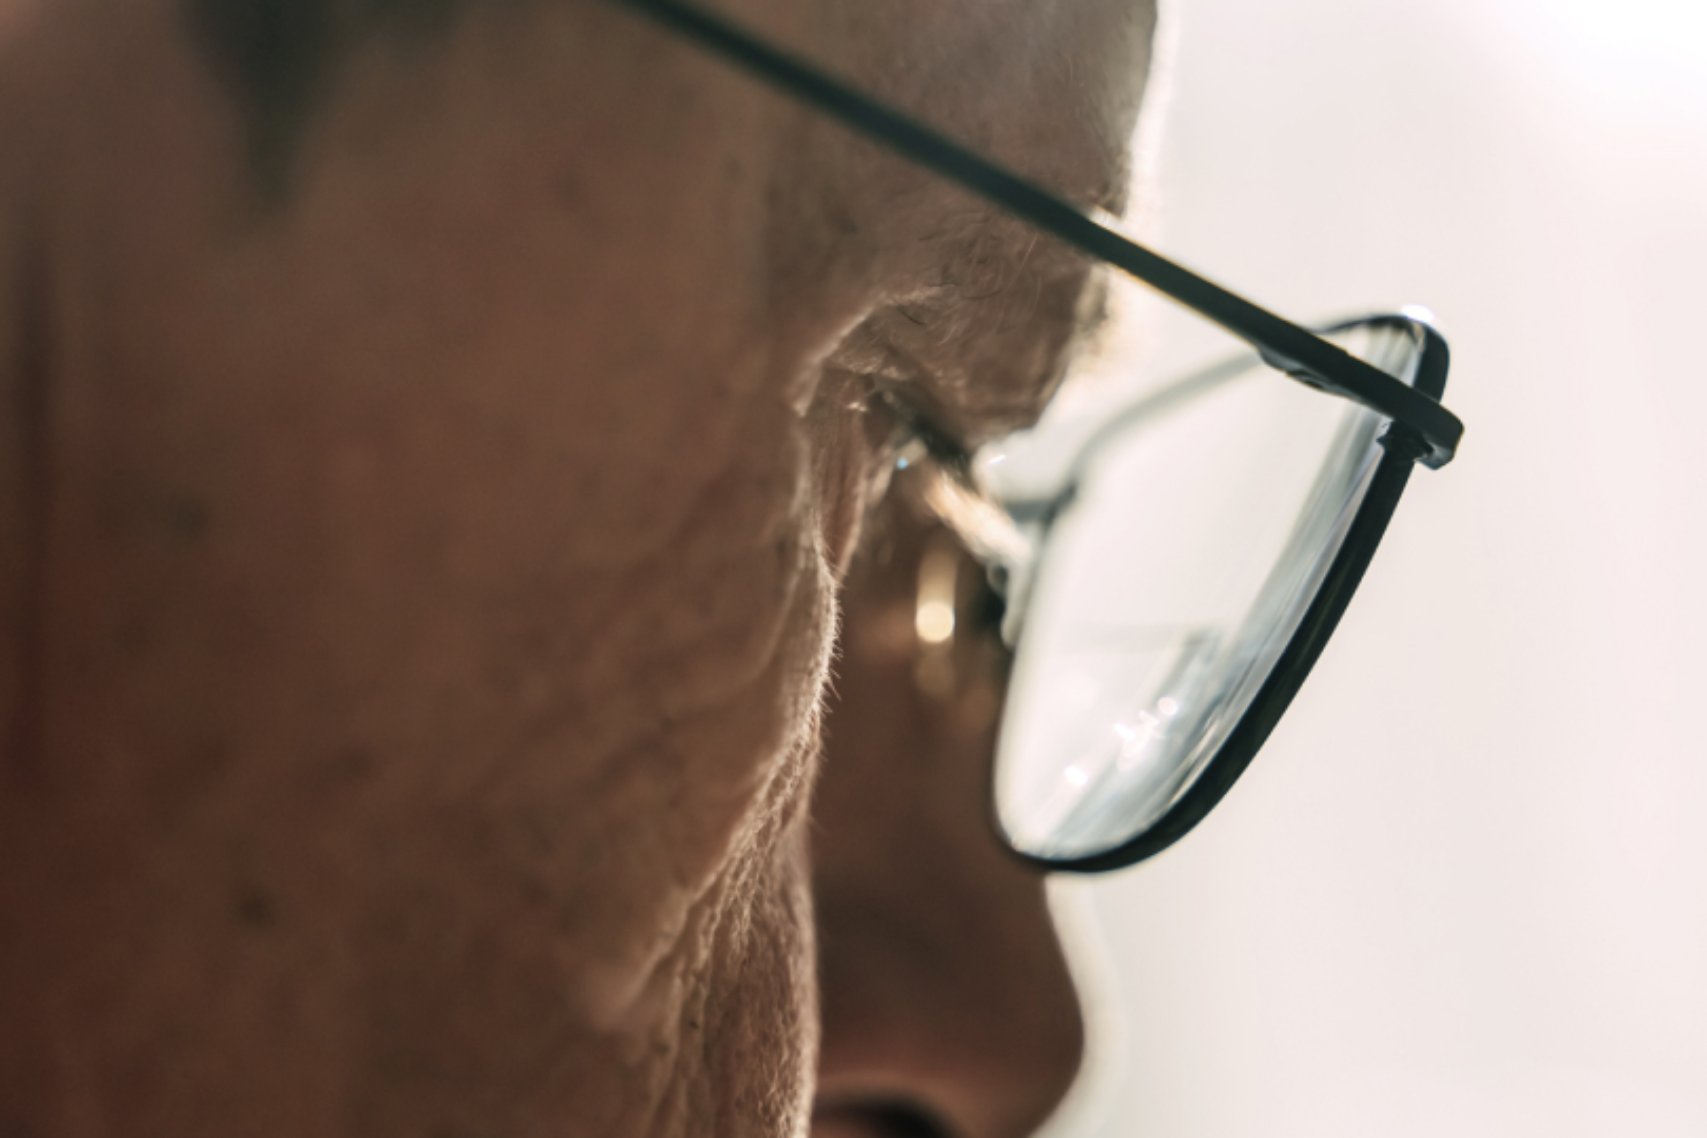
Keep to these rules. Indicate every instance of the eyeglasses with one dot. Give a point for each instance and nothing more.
(1169, 592)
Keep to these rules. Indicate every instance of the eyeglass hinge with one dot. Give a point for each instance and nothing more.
(1406, 443)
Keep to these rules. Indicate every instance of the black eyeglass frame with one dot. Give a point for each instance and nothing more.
(1420, 428)
(1321, 617)
(1420, 422)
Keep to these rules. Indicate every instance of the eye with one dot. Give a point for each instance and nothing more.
(913, 437)
(890, 429)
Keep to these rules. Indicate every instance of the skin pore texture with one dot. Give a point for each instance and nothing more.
(422, 529)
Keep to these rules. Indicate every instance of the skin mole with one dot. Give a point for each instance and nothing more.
(256, 908)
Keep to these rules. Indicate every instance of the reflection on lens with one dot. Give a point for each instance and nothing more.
(1200, 526)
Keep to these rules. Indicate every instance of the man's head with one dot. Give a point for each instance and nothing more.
(444, 431)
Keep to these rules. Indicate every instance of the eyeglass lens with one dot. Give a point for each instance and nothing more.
(1200, 525)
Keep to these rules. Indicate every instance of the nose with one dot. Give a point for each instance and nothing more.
(948, 1009)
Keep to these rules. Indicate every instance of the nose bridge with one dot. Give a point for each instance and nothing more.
(951, 996)
(945, 989)
(1016, 1017)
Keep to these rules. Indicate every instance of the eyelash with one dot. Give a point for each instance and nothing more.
(912, 437)
(892, 431)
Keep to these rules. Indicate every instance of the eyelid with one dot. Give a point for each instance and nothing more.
(923, 430)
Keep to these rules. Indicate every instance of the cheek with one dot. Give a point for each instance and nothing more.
(768, 1051)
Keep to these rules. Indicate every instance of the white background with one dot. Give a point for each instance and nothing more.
(1464, 889)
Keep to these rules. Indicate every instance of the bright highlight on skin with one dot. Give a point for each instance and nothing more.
(933, 616)
(935, 622)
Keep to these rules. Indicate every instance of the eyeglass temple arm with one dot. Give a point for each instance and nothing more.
(1282, 344)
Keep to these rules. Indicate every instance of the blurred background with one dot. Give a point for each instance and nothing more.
(1464, 889)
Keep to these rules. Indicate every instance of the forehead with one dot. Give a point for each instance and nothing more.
(1051, 92)
(1049, 88)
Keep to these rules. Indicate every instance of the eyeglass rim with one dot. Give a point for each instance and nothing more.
(1432, 433)
(1303, 649)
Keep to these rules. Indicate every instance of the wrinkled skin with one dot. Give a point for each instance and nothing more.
(420, 577)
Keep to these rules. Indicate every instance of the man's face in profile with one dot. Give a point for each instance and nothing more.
(442, 435)
(947, 1005)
